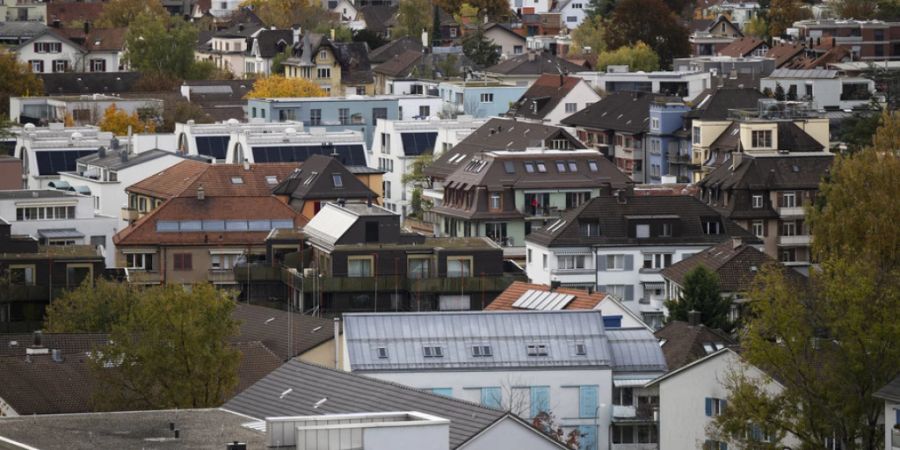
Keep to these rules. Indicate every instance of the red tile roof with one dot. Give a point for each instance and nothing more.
(785, 53)
(170, 182)
(582, 300)
(741, 47)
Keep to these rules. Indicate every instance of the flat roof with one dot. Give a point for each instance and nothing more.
(33, 193)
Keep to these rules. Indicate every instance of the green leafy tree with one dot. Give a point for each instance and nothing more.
(162, 45)
(757, 27)
(413, 17)
(591, 34)
(416, 177)
(91, 309)
(16, 80)
(600, 8)
(122, 13)
(857, 9)
(481, 50)
(833, 345)
(286, 13)
(651, 22)
(636, 57)
(701, 293)
(856, 131)
(783, 13)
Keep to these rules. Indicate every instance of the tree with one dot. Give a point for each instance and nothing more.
(160, 45)
(91, 308)
(413, 17)
(652, 22)
(591, 34)
(181, 113)
(637, 57)
(117, 121)
(481, 50)
(278, 62)
(123, 13)
(600, 8)
(287, 13)
(856, 132)
(757, 27)
(16, 80)
(833, 345)
(701, 293)
(416, 177)
(279, 86)
(491, 9)
(783, 14)
(857, 9)
(171, 351)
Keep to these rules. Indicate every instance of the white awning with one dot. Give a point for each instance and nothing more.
(631, 382)
(226, 251)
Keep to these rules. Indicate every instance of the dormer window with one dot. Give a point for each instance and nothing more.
(712, 226)
(642, 231)
(573, 166)
(592, 166)
(509, 167)
(666, 230)
(561, 166)
(762, 139)
(481, 351)
(590, 229)
(237, 180)
(541, 167)
(433, 351)
(537, 349)
(529, 166)
(337, 180)
(381, 352)
(580, 349)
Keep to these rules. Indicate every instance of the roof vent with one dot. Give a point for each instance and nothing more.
(694, 318)
(56, 355)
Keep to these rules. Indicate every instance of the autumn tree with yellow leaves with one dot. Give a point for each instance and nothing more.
(117, 121)
(279, 86)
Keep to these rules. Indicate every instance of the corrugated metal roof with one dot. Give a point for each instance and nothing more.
(543, 300)
(329, 224)
(635, 350)
(508, 333)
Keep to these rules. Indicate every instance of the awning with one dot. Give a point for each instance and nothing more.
(61, 185)
(60, 233)
(631, 382)
(654, 285)
(83, 190)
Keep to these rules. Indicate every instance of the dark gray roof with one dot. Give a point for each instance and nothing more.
(683, 343)
(534, 64)
(635, 350)
(714, 104)
(351, 393)
(791, 138)
(21, 29)
(379, 17)
(198, 429)
(308, 331)
(268, 41)
(619, 111)
(315, 180)
(735, 265)
(543, 96)
(773, 172)
(890, 391)
(400, 65)
(67, 83)
(687, 214)
(395, 47)
(354, 60)
(113, 158)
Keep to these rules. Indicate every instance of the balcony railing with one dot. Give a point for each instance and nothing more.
(144, 277)
(631, 413)
(130, 214)
(798, 240)
(221, 276)
(678, 158)
(792, 211)
(634, 446)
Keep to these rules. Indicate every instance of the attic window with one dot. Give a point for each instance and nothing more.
(381, 352)
(481, 351)
(271, 179)
(796, 169)
(237, 180)
(509, 166)
(592, 165)
(590, 229)
(580, 349)
(561, 166)
(312, 177)
(541, 167)
(573, 166)
(529, 166)
(337, 180)
(712, 347)
(433, 351)
(537, 349)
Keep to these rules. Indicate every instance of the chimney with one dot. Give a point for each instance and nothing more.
(337, 346)
(246, 165)
(620, 197)
(87, 27)
(693, 318)
(736, 242)
(554, 285)
(56, 355)
(37, 339)
(201, 193)
(123, 155)
(101, 152)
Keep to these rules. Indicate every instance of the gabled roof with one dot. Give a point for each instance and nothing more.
(268, 41)
(791, 138)
(784, 53)
(691, 365)
(395, 47)
(316, 180)
(354, 60)
(683, 343)
(171, 181)
(714, 104)
(543, 96)
(271, 327)
(400, 66)
(350, 393)
(619, 111)
(771, 172)
(21, 30)
(890, 391)
(741, 47)
(531, 63)
(379, 18)
(509, 333)
(503, 28)
(507, 299)
(735, 265)
(686, 213)
(328, 226)
(98, 39)
(89, 82)
(56, 34)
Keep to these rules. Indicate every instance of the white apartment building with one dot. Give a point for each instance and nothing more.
(267, 144)
(47, 151)
(687, 85)
(55, 217)
(398, 143)
(213, 140)
(824, 89)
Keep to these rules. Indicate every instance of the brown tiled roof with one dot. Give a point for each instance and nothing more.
(74, 11)
(582, 300)
(217, 179)
(107, 39)
(741, 47)
(308, 331)
(784, 53)
(684, 342)
(171, 181)
(546, 93)
(736, 266)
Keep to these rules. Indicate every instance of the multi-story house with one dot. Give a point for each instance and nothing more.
(478, 98)
(323, 178)
(399, 143)
(873, 40)
(744, 47)
(23, 11)
(339, 68)
(13, 34)
(687, 85)
(714, 36)
(38, 274)
(247, 50)
(47, 151)
(573, 12)
(149, 193)
(733, 68)
(293, 144)
(212, 141)
(80, 110)
(506, 195)
(552, 98)
(619, 243)
(667, 147)
(824, 89)
(766, 194)
(54, 217)
(532, 363)
(104, 176)
(221, 9)
(213, 217)
(57, 51)
(510, 42)
(358, 113)
(739, 13)
(525, 69)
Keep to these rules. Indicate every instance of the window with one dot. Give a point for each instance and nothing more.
(529, 166)
(509, 167)
(496, 202)
(271, 179)
(459, 266)
(37, 66)
(580, 349)
(615, 262)
(789, 228)
(757, 201)
(323, 72)
(433, 351)
(487, 98)
(544, 260)
(758, 228)
(60, 65)
(561, 166)
(139, 261)
(76, 274)
(344, 116)
(424, 111)
(712, 227)
(592, 166)
(492, 397)
(576, 199)
(418, 268)
(657, 261)
(381, 352)
(222, 261)
(696, 135)
(654, 123)
(715, 445)
(337, 180)
(623, 396)
(48, 212)
(541, 167)
(237, 180)
(98, 65)
(359, 266)
(788, 200)
(315, 117)
(642, 231)
(372, 231)
(666, 230)
(528, 256)
(762, 138)
(590, 229)
(183, 261)
(48, 47)
(571, 262)
(481, 351)
(715, 407)
(517, 50)
(537, 349)
(21, 275)
(571, 107)
(573, 166)
(620, 291)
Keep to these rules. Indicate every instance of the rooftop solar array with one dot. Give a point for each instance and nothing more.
(543, 300)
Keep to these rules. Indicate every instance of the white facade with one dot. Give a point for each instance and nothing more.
(577, 99)
(403, 86)
(509, 434)
(243, 140)
(617, 78)
(824, 88)
(34, 147)
(891, 425)
(574, 12)
(222, 8)
(187, 134)
(81, 109)
(419, 107)
(49, 54)
(29, 215)
(390, 155)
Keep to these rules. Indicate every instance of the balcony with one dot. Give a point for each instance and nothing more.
(791, 212)
(27, 293)
(678, 158)
(130, 214)
(802, 240)
(634, 446)
(633, 413)
(221, 276)
(144, 277)
(540, 212)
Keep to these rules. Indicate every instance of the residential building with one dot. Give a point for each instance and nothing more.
(785, 53)
(552, 98)
(556, 43)
(479, 99)
(687, 85)
(154, 190)
(57, 217)
(15, 33)
(81, 110)
(540, 297)
(824, 89)
(714, 36)
(212, 141)
(360, 251)
(868, 39)
(246, 50)
(47, 151)
(220, 100)
(323, 178)
(339, 68)
(744, 47)
(358, 113)
(399, 67)
(23, 11)
(766, 194)
(76, 83)
(691, 397)
(56, 51)
(287, 334)
(316, 389)
(890, 393)
(10, 172)
(222, 8)
(506, 195)
(739, 12)
(666, 146)
(573, 12)
(510, 42)
(754, 67)
(411, 86)
(619, 245)
(573, 372)
(379, 17)
(104, 176)
(685, 342)
(274, 144)
(525, 69)
(399, 143)
(393, 48)
(211, 220)
(38, 274)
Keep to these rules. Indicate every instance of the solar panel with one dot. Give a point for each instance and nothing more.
(56, 161)
(415, 144)
(543, 300)
(349, 155)
(215, 146)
